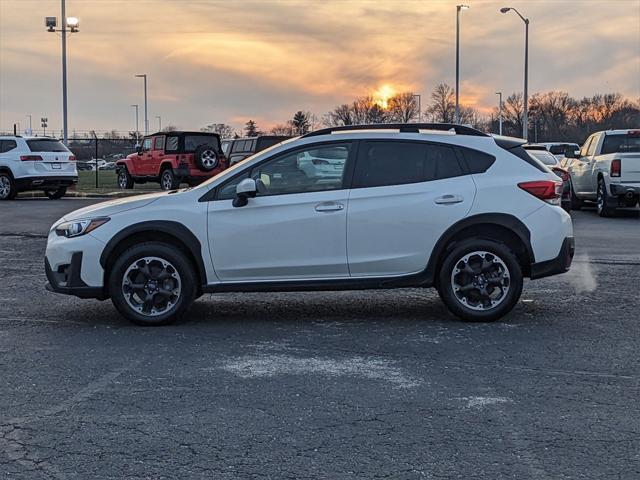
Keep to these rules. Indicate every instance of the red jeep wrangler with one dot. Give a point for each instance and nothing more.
(172, 158)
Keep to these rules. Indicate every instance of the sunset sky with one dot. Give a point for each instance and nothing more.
(228, 61)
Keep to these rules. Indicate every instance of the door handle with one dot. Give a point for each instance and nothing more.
(329, 207)
(447, 199)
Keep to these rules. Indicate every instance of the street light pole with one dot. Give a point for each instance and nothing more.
(525, 115)
(159, 122)
(499, 113)
(458, 8)
(137, 129)
(419, 106)
(30, 129)
(146, 117)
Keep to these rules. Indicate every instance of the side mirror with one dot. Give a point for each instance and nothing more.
(244, 190)
(139, 148)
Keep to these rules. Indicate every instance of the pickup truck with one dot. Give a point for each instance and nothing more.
(606, 170)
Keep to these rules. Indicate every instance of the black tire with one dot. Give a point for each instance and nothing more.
(168, 180)
(56, 194)
(576, 203)
(7, 187)
(125, 297)
(473, 308)
(206, 158)
(125, 180)
(602, 204)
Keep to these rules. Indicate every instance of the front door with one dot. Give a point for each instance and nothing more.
(404, 196)
(294, 229)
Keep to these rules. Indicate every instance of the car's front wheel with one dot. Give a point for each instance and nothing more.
(480, 280)
(56, 194)
(7, 187)
(152, 284)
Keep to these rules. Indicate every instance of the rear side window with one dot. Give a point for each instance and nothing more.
(621, 143)
(171, 144)
(46, 145)
(477, 162)
(395, 163)
(7, 145)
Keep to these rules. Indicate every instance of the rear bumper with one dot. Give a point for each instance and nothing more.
(44, 183)
(555, 266)
(66, 279)
(622, 189)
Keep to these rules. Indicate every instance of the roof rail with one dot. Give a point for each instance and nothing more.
(403, 127)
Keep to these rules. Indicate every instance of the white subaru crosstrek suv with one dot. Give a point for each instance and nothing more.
(35, 163)
(416, 205)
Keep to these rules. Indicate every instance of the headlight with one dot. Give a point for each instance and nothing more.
(75, 228)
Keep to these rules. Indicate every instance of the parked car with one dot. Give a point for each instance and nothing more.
(173, 158)
(240, 148)
(417, 205)
(559, 148)
(84, 166)
(607, 171)
(35, 163)
(541, 153)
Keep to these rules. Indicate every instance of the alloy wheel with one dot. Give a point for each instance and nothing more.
(151, 286)
(209, 158)
(480, 280)
(5, 187)
(122, 180)
(167, 181)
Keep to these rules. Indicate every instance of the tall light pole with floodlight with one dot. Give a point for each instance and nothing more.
(525, 116)
(146, 117)
(135, 105)
(499, 112)
(73, 27)
(159, 122)
(458, 9)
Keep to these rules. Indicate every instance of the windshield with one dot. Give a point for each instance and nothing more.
(626, 142)
(545, 157)
(241, 164)
(560, 148)
(46, 145)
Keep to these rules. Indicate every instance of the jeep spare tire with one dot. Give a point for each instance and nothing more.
(206, 158)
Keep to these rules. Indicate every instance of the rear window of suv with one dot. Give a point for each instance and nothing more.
(621, 143)
(46, 145)
(192, 142)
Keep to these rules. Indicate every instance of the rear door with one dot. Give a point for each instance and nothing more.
(405, 194)
(55, 157)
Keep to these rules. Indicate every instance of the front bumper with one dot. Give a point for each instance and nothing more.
(66, 279)
(44, 183)
(555, 266)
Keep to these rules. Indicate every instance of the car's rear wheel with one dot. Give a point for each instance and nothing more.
(480, 280)
(152, 284)
(7, 187)
(576, 203)
(56, 194)
(168, 180)
(125, 180)
(602, 204)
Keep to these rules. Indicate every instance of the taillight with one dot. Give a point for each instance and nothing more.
(616, 167)
(546, 190)
(30, 158)
(72, 158)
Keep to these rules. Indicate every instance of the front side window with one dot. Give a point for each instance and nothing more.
(146, 144)
(46, 145)
(313, 169)
(592, 147)
(585, 147)
(383, 163)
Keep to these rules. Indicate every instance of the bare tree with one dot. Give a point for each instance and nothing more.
(403, 108)
(443, 104)
(222, 129)
(282, 129)
(339, 116)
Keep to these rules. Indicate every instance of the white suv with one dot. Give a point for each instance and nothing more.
(416, 205)
(35, 163)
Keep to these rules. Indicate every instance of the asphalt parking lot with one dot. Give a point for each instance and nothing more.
(381, 384)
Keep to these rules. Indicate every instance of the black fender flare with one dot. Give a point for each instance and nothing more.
(503, 219)
(174, 229)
